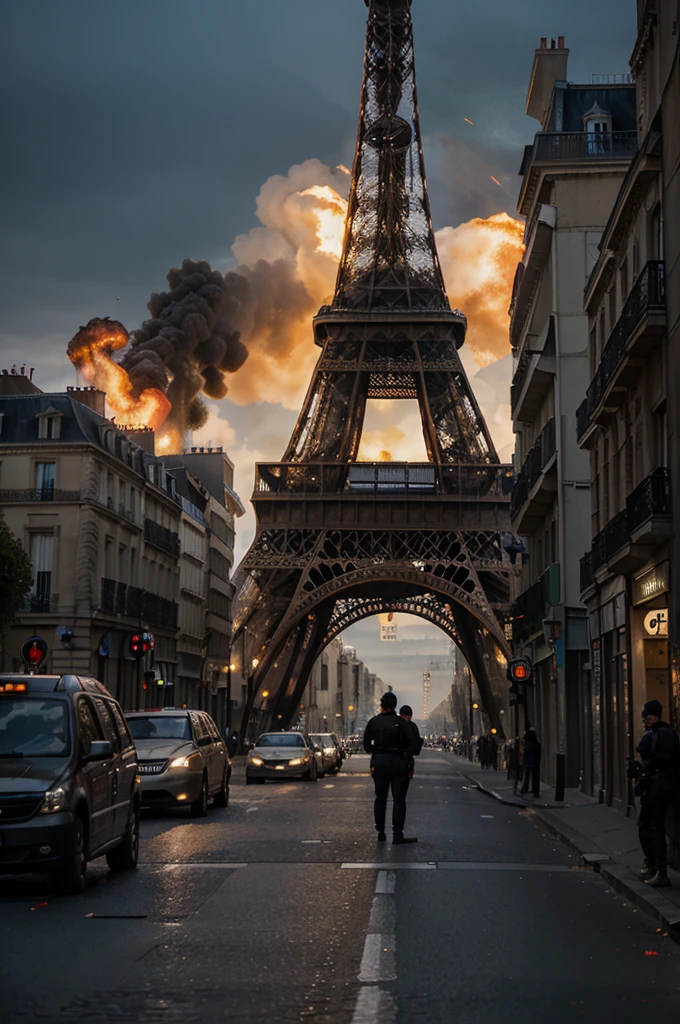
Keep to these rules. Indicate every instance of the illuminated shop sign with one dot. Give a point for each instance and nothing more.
(650, 584)
(656, 622)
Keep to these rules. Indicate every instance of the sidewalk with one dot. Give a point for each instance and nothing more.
(606, 840)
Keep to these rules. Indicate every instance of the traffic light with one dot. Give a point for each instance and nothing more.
(141, 644)
(34, 652)
(519, 670)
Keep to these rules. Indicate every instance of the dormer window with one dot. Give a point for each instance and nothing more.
(49, 424)
(598, 126)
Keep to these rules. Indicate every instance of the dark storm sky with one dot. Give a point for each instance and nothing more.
(140, 131)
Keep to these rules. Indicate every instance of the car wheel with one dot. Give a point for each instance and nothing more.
(199, 808)
(70, 879)
(124, 857)
(222, 795)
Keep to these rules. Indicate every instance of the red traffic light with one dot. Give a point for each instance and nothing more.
(34, 651)
(519, 670)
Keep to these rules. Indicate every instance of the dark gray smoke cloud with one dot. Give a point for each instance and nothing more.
(190, 342)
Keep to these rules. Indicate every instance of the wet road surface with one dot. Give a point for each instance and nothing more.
(283, 908)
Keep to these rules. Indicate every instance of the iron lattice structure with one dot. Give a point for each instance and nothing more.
(334, 536)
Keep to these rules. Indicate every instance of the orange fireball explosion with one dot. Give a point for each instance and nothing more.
(90, 352)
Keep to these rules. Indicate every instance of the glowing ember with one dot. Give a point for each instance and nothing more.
(468, 120)
(341, 167)
(91, 351)
(330, 215)
(495, 180)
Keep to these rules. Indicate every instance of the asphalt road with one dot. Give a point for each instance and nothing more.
(283, 908)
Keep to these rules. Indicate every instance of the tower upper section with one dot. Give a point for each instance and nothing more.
(389, 259)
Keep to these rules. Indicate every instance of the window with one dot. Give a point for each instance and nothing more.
(623, 280)
(122, 563)
(88, 730)
(636, 259)
(324, 676)
(612, 307)
(49, 424)
(133, 504)
(109, 490)
(45, 478)
(133, 566)
(123, 731)
(108, 558)
(106, 723)
(122, 495)
(654, 234)
(41, 558)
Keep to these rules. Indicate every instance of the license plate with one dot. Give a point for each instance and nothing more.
(150, 769)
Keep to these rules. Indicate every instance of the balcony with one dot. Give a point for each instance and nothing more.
(534, 469)
(161, 538)
(40, 494)
(642, 320)
(571, 147)
(628, 538)
(139, 605)
(529, 610)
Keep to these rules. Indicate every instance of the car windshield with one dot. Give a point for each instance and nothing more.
(34, 727)
(282, 739)
(160, 727)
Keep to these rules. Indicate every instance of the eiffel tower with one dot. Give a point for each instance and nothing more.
(338, 540)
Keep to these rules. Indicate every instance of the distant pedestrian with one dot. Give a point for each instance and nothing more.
(492, 748)
(532, 763)
(389, 741)
(659, 751)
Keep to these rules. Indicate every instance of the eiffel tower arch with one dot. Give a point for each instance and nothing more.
(336, 537)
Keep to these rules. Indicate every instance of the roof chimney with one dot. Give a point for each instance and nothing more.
(550, 66)
(93, 398)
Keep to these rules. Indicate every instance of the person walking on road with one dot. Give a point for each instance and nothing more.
(532, 763)
(659, 751)
(389, 741)
(406, 713)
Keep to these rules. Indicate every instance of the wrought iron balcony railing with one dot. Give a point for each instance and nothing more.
(648, 294)
(37, 494)
(649, 499)
(475, 481)
(528, 611)
(120, 599)
(534, 464)
(572, 146)
(161, 537)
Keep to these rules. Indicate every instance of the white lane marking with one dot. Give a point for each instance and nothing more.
(378, 962)
(385, 882)
(392, 865)
(249, 810)
(329, 785)
(374, 1006)
(489, 866)
(194, 866)
(486, 815)
(311, 842)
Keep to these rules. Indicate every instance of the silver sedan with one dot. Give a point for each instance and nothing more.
(281, 755)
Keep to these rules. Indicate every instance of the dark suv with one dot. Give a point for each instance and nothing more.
(69, 788)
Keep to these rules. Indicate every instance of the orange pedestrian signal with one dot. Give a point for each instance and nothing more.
(519, 670)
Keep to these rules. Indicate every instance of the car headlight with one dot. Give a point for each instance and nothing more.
(298, 760)
(181, 762)
(54, 800)
(257, 761)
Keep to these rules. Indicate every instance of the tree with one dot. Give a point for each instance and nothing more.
(16, 573)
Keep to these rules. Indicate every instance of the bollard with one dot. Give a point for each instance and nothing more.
(560, 772)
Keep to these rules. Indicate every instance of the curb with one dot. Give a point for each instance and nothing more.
(510, 801)
(617, 875)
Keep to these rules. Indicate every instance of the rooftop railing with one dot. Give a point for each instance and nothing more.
(574, 146)
(471, 481)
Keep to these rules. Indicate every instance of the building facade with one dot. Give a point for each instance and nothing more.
(99, 518)
(571, 175)
(628, 423)
(342, 694)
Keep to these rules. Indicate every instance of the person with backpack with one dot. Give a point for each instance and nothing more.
(659, 751)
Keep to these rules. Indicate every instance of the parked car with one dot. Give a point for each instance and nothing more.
(69, 789)
(183, 760)
(331, 750)
(278, 755)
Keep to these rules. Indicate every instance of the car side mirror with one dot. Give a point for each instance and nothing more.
(99, 749)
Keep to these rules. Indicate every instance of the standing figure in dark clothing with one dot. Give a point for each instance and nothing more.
(532, 763)
(390, 743)
(659, 751)
(492, 752)
(406, 713)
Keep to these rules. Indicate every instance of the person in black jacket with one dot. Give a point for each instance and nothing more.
(406, 713)
(532, 763)
(390, 743)
(659, 751)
